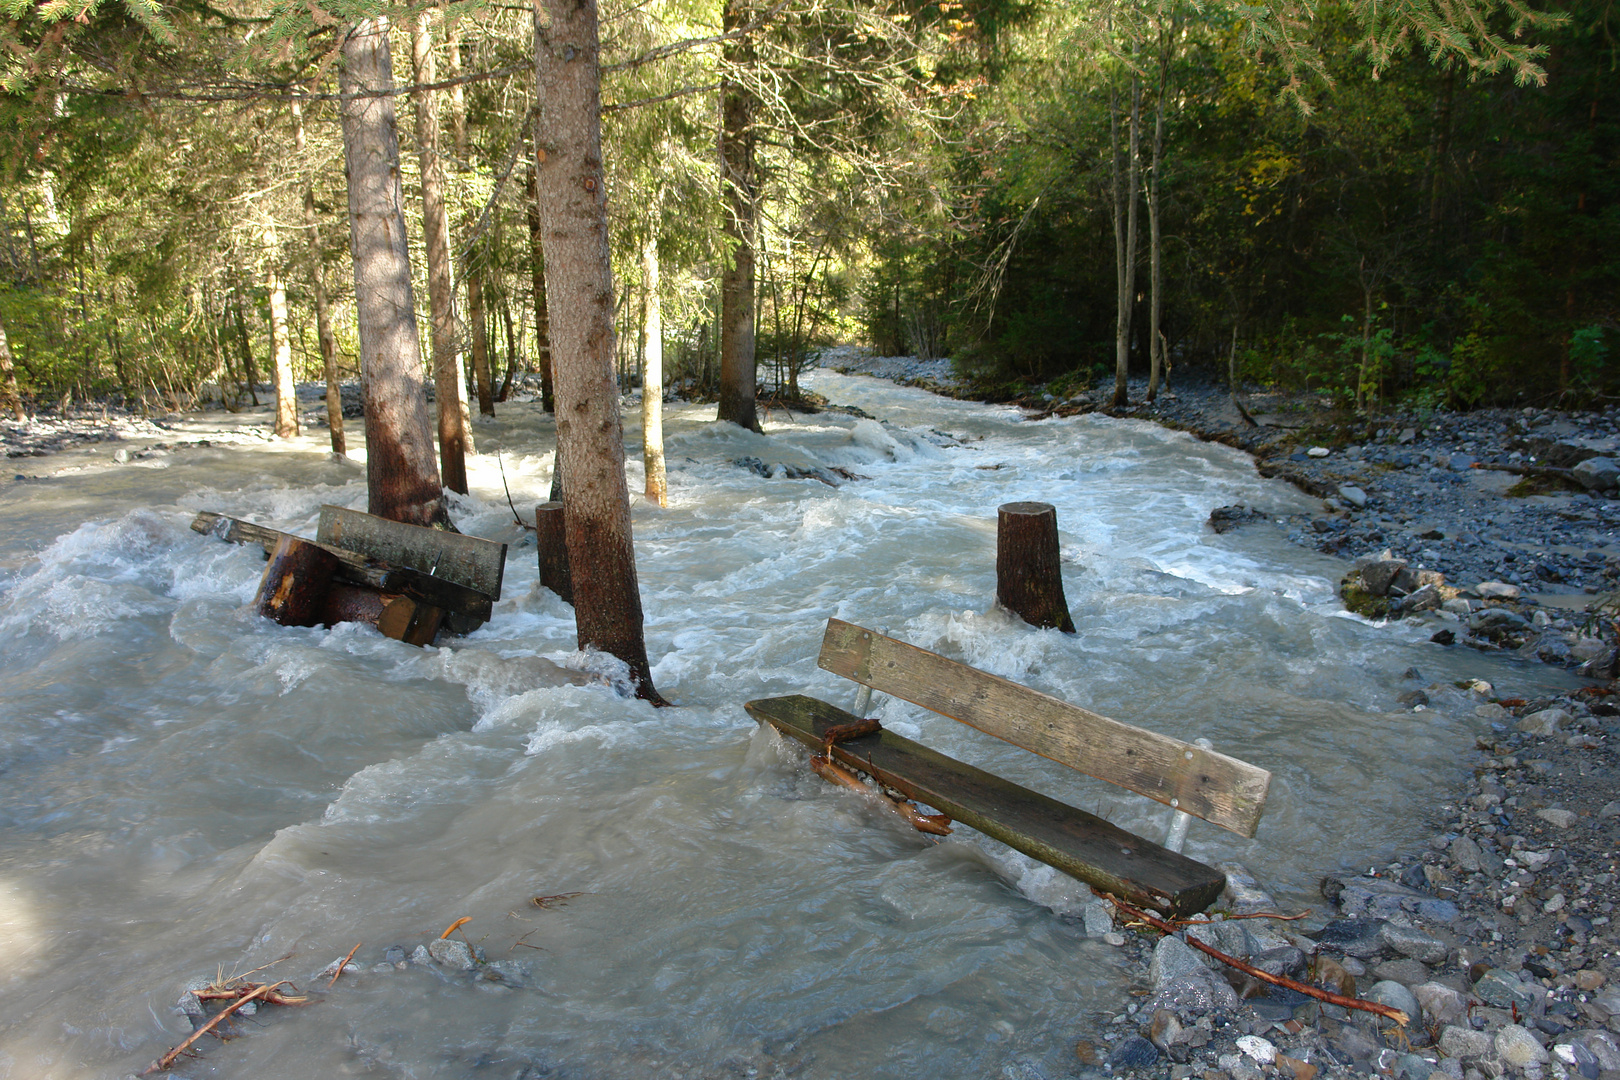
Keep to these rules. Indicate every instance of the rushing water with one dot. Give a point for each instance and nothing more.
(186, 788)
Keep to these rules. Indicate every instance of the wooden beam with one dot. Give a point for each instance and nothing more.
(1080, 844)
(357, 569)
(1220, 789)
(469, 561)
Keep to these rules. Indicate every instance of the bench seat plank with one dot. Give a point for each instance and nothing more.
(356, 568)
(1210, 785)
(1080, 844)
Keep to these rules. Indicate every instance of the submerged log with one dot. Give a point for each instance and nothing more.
(295, 582)
(554, 572)
(1029, 576)
(397, 617)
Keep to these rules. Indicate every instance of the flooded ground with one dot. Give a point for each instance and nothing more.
(186, 788)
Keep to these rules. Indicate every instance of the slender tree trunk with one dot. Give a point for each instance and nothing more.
(280, 342)
(652, 380)
(478, 334)
(12, 399)
(247, 346)
(1156, 301)
(739, 189)
(569, 180)
(402, 478)
(448, 387)
(542, 319)
(323, 314)
(1125, 200)
(511, 347)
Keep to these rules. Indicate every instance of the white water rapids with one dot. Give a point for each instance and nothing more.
(186, 788)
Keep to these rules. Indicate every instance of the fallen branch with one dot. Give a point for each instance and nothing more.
(1264, 976)
(344, 963)
(1252, 915)
(457, 925)
(173, 1055)
(937, 824)
(272, 998)
(549, 901)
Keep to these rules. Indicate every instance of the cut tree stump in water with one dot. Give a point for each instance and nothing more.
(295, 582)
(554, 572)
(1029, 575)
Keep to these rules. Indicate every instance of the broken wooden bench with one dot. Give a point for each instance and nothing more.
(1189, 778)
(406, 580)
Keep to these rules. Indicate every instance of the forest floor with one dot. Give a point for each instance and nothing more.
(1496, 937)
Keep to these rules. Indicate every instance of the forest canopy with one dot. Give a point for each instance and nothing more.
(1410, 203)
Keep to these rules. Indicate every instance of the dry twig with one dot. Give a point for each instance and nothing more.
(344, 963)
(457, 925)
(173, 1055)
(1264, 976)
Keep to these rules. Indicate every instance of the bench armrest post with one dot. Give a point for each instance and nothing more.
(863, 699)
(1175, 838)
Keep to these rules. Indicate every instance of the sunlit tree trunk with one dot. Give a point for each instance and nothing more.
(542, 319)
(402, 478)
(1125, 199)
(652, 380)
(449, 388)
(323, 315)
(473, 272)
(569, 181)
(8, 377)
(739, 188)
(280, 342)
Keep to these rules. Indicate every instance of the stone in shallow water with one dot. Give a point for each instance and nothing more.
(1413, 943)
(1391, 993)
(453, 954)
(1353, 937)
(1545, 722)
(1172, 957)
(1466, 1044)
(1197, 991)
(1442, 1004)
(1134, 1053)
(1504, 990)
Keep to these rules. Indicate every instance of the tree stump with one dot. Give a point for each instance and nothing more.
(295, 583)
(1029, 578)
(554, 572)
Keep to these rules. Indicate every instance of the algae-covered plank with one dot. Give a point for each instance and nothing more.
(1080, 844)
(1204, 783)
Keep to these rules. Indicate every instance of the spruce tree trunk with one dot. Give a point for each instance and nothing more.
(1125, 201)
(280, 341)
(1156, 362)
(739, 190)
(448, 386)
(478, 332)
(652, 381)
(542, 318)
(569, 181)
(402, 478)
(248, 373)
(323, 316)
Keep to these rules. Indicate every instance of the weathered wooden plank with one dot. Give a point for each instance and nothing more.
(1210, 785)
(469, 561)
(474, 608)
(1080, 844)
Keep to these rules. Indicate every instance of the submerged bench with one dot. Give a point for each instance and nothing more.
(404, 579)
(1189, 778)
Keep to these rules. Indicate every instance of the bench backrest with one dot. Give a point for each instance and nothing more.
(1220, 789)
(469, 561)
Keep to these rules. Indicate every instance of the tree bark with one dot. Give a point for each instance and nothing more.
(280, 342)
(552, 539)
(478, 334)
(739, 188)
(542, 318)
(323, 317)
(569, 180)
(293, 589)
(652, 381)
(448, 385)
(402, 478)
(1029, 575)
(1125, 200)
(1156, 361)
(8, 378)
(247, 346)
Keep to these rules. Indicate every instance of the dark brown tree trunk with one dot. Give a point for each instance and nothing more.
(293, 589)
(247, 347)
(1125, 190)
(478, 335)
(511, 347)
(1029, 575)
(542, 319)
(551, 535)
(8, 378)
(447, 378)
(402, 478)
(569, 181)
(323, 317)
(739, 189)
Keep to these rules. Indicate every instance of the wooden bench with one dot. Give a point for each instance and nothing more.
(1184, 776)
(404, 579)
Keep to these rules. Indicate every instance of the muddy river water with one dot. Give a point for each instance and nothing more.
(187, 789)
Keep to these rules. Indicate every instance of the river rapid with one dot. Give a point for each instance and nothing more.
(187, 789)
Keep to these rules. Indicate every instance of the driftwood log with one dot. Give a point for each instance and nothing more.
(293, 589)
(554, 573)
(1029, 576)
